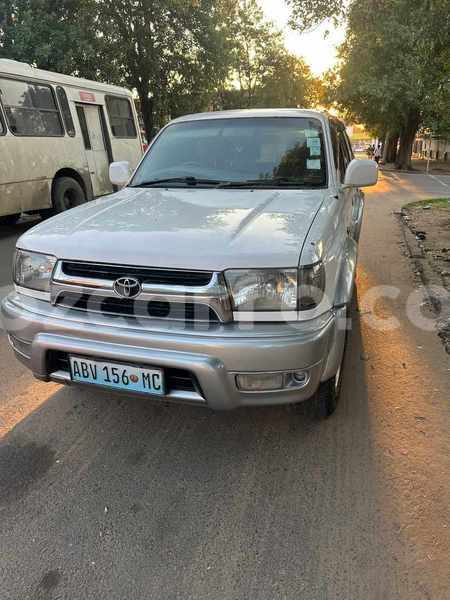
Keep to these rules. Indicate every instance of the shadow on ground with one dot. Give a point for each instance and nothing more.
(104, 496)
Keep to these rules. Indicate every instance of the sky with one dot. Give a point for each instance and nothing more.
(318, 52)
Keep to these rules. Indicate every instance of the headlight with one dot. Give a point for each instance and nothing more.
(263, 290)
(311, 286)
(32, 270)
(277, 290)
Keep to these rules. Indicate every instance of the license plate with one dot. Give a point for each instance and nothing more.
(117, 376)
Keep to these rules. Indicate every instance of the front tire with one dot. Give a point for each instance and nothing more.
(326, 398)
(67, 193)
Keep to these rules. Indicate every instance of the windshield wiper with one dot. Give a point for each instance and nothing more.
(191, 181)
(276, 181)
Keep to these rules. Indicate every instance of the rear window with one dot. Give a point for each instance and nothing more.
(121, 117)
(30, 109)
(240, 149)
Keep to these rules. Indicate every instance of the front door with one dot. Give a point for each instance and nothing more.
(95, 144)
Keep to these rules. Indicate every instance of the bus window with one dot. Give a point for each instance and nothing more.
(30, 109)
(84, 128)
(120, 117)
(2, 125)
(65, 109)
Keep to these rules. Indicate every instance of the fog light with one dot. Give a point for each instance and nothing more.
(300, 377)
(272, 382)
(260, 382)
(297, 379)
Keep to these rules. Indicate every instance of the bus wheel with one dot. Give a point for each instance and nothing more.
(10, 219)
(67, 193)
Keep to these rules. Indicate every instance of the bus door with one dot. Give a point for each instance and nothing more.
(97, 146)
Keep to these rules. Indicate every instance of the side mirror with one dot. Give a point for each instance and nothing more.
(361, 173)
(119, 173)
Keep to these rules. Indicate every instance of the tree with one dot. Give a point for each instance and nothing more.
(171, 52)
(256, 46)
(290, 85)
(308, 13)
(263, 73)
(179, 55)
(393, 68)
(52, 34)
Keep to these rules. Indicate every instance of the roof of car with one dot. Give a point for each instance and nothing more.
(255, 112)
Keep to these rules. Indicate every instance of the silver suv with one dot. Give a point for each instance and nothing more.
(219, 275)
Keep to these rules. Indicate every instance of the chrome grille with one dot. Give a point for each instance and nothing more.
(145, 275)
(178, 295)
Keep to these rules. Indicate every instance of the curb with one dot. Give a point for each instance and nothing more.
(425, 272)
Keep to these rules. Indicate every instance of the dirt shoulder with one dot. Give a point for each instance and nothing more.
(426, 226)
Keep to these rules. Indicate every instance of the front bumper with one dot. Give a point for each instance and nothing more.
(212, 355)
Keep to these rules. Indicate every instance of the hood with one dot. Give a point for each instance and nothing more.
(204, 229)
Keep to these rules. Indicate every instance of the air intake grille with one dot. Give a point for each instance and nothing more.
(184, 311)
(176, 379)
(144, 275)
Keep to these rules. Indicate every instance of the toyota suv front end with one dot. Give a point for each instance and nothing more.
(220, 274)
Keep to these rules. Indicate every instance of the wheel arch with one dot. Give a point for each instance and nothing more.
(83, 180)
(346, 275)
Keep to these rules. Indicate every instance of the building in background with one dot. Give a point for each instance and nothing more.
(432, 147)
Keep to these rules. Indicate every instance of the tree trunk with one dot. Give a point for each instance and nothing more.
(390, 148)
(147, 113)
(407, 137)
(386, 148)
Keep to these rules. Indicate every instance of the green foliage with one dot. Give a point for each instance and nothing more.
(51, 34)
(290, 85)
(433, 202)
(308, 13)
(173, 52)
(170, 52)
(266, 74)
(179, 55)
(394, 74)
(256, 46)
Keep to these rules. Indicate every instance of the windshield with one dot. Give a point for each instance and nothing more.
(261, 151)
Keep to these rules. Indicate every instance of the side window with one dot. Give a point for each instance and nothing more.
(30, 109)
(344, 155)
(349, 146)
(84, 128)
(120, 117)
(335, 143)
(65, 109)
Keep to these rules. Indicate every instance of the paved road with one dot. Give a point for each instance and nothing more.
(103, 498)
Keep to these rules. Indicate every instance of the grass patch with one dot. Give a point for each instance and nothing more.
(433, 202)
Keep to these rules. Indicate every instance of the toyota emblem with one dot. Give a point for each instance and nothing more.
(127, 287)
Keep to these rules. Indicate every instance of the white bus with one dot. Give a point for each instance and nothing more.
(58, 135)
